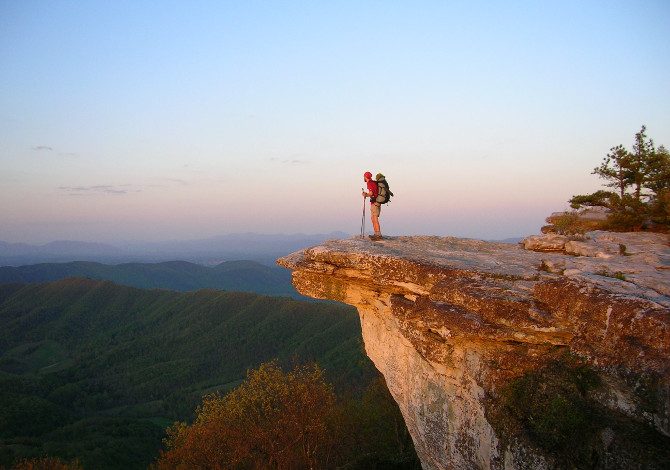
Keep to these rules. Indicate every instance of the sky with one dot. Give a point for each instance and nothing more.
(160, 120)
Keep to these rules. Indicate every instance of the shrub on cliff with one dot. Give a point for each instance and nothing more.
(558, 409)
(641, 181)
(571, 223)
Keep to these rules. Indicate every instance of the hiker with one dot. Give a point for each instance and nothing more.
(375, 207)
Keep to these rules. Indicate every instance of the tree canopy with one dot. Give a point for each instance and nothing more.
(290, 420)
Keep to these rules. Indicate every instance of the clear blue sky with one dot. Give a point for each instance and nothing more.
(162, 120)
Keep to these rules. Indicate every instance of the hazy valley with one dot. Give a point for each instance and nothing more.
(97, 371)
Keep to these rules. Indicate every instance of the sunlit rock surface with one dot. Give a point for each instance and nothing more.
(451, 323)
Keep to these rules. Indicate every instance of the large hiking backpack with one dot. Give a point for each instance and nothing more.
(384, 194)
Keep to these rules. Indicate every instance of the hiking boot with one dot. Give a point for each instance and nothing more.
(376, 237)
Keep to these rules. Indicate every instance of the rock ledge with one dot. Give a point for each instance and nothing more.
(450, 322)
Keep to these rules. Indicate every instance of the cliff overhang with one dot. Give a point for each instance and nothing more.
(459, 327)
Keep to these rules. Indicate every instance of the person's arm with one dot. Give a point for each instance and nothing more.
(370, 191)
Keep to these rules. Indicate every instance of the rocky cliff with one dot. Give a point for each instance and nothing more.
(505, 357)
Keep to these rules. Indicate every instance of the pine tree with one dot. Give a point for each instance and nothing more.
(658, 171)
(615, 169)
(640, 160)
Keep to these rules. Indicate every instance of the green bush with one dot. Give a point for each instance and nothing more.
(570, 224)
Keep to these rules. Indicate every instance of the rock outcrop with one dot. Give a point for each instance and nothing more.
(501, 357)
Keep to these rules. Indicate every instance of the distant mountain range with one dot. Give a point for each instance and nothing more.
(509, 240)
(245, 276)
(241, 246)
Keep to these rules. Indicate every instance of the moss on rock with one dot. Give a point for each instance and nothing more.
(554, 410)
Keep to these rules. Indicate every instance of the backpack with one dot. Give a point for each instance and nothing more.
(384, 194)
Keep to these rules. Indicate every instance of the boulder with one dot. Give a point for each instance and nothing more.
(546, 242)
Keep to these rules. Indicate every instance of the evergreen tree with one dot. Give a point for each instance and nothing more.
(658, 182)
(658, 171)
(615, 168)
(640, 161)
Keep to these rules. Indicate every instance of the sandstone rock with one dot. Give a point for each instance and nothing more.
(572, 272)
(553, 266)
(452, 322)
(547, 242)
(628, 243)
(578, 248)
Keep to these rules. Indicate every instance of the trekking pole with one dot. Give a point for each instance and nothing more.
(363, 218)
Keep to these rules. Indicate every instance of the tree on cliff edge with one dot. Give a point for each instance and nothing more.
(641, 177)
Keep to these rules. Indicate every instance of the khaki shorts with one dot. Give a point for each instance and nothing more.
(375, 209)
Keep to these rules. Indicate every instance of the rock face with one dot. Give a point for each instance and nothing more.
(501, 357)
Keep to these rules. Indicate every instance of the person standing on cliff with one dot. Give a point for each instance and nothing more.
(375, 207)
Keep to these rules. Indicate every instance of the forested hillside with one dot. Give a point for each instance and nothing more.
(244, 276)
(94, 370)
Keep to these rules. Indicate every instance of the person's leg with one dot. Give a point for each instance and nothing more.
(374, 216)
(375, 225)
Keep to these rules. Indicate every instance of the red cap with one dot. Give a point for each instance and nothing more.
(367, 174)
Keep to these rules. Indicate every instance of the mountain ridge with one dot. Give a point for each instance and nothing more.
(264, 248)
(243, 275)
